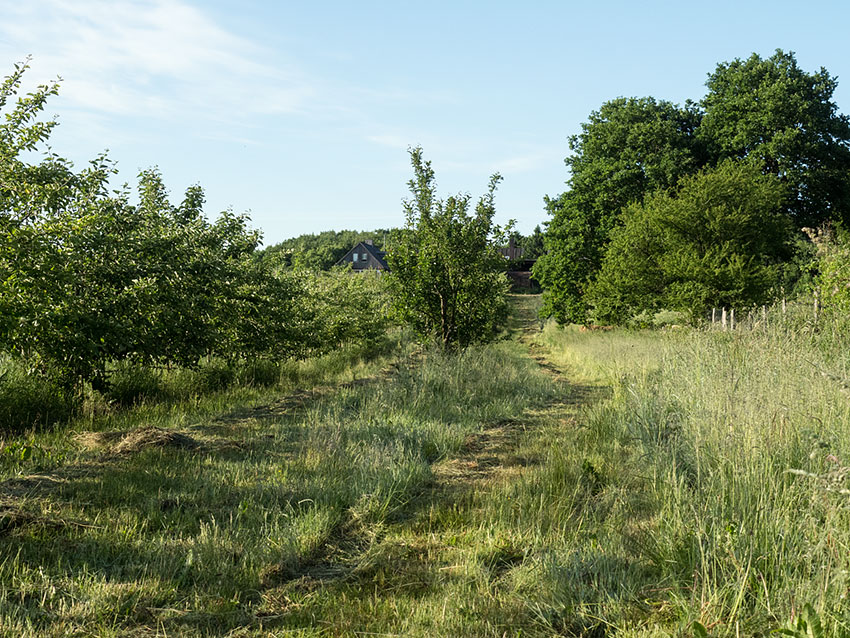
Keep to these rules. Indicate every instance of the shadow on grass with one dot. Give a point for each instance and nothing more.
(147, 509)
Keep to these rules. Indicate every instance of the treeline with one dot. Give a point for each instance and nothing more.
(320, 251)
(94, 279)
(687, 207)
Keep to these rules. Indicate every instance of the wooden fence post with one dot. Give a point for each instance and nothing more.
(723, 318)
(732, 319)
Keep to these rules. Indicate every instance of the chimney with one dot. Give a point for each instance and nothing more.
(368, 242)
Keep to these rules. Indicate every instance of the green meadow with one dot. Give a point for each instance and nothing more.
(554, 483)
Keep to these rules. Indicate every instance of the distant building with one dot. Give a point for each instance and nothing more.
(519, 268)
(364, 256)
(511, 251)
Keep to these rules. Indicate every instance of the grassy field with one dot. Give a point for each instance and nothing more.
(557, 483)
(738, 444)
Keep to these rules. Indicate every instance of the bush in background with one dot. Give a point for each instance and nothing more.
(717, 241)
(832, 282)
(344, 307)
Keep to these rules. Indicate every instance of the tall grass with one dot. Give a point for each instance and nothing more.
(30, 400)
(694, 496)
(669, 478)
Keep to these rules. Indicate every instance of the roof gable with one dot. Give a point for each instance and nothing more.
(375, 259)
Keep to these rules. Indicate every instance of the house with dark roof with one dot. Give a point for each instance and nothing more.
(364, 256)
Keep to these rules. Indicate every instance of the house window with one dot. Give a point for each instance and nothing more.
(364, 257)
(354, 257)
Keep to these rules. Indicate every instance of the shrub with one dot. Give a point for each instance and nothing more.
(447, 276)
(833, 279)
(664, 318)
(660, 319)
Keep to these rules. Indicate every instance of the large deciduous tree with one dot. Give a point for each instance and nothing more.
(628, 148)
(770, 110)
(446, 273)
(718, 241)
(766, 112)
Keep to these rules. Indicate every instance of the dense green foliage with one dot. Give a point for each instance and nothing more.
(88, 278)
(832, 282)
(767, 112)
(107, 280)
(93, 283)
(343, 308)
(628, 148)
(772, 111)
(532, 245)
(446, 272)
(717, 241)
(320, 251)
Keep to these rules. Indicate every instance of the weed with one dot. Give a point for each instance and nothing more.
(807, 625)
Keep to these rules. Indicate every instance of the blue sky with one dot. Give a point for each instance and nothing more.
(301, 113)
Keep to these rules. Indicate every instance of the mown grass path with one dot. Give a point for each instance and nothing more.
(400, 502)
(463, 554)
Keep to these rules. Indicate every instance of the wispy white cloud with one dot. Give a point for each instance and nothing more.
(159, 58)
